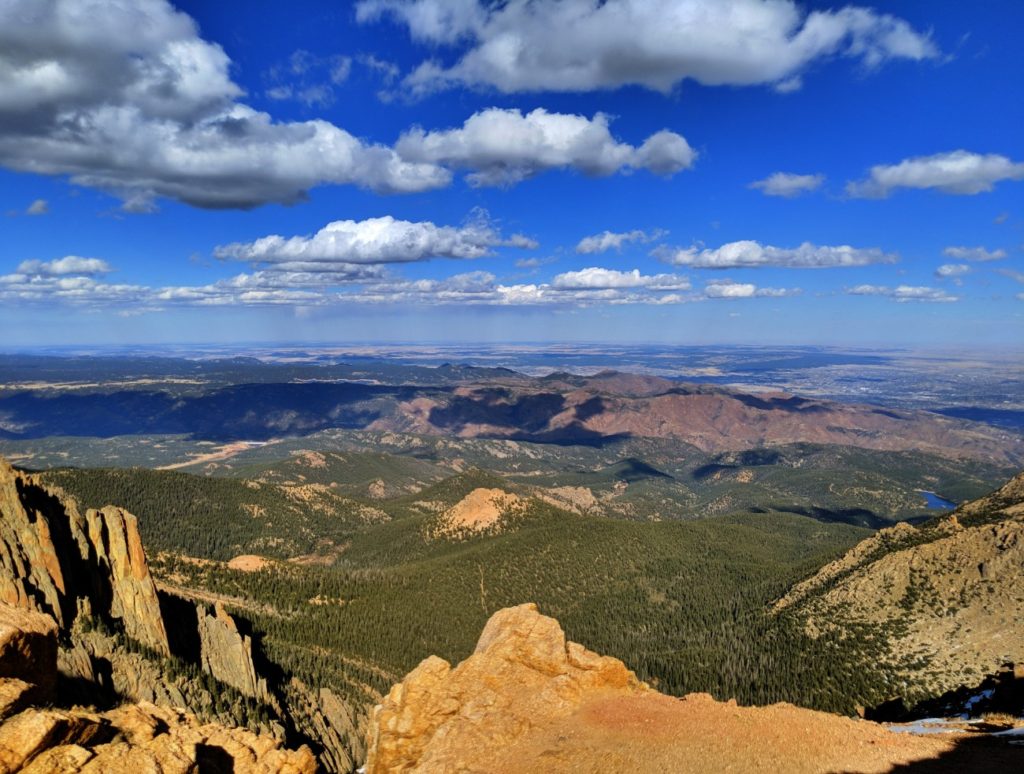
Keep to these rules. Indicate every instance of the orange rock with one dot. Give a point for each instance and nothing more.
(54, 558)
(529, 701)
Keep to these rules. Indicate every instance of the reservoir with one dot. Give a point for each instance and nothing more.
(932, 500)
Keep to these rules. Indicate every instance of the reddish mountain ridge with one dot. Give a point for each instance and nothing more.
(565, 409)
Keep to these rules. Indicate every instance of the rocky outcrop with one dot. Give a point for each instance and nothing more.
(882, 542)
(138, 738)
(481, 511)
(527, 700)
(322, 715)
(132, 738)
(522, 669)
(226, 653)
(88, 573)
(57, 561)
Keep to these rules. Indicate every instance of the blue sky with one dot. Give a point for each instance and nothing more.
(432, 171)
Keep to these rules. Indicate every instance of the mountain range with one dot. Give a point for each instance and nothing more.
(557, 409)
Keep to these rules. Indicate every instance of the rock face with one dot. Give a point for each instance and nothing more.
(28, 649)
(226, 653)
(132, 738)
(522, 669)
(56, 561)
(946, 596)
(527, 700)
(322, 715)
(86, 575)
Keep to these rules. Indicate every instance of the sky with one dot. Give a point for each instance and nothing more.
(664, 171)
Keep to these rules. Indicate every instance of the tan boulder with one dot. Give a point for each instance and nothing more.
(15, 695)
(522, 669)
(139, 738)
(29, 733)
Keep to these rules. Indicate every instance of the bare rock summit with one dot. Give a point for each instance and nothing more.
(528, 700)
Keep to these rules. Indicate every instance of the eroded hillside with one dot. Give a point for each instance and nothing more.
(943, 602)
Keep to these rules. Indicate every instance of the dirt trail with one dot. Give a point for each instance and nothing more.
(225, 452)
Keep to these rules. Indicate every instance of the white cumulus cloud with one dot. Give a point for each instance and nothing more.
(787, 185)
(127, 98)
(595, 277)
(973, 254)
(374, 241)
(69, 264)
(506, 146)
(727, 289)
(957, 172)
(904, 293)
(583, 45)
(611, 240)
(751, 254)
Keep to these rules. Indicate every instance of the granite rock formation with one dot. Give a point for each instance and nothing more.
(55, 560)
(226, 653)
(85, 576)
(527, 700)
(132, 738)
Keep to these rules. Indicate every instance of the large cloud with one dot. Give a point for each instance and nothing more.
(129, 99)
(505, 146)
(750, 254)
(581, 45)
(373, 241)
(957, 172)
(126, 97)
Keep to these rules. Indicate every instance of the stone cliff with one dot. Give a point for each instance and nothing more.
(527, 700)
(132, 738)
(55, 560)
(87, 573)
(226, 653)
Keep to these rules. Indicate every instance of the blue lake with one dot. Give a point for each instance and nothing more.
(932, 500)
